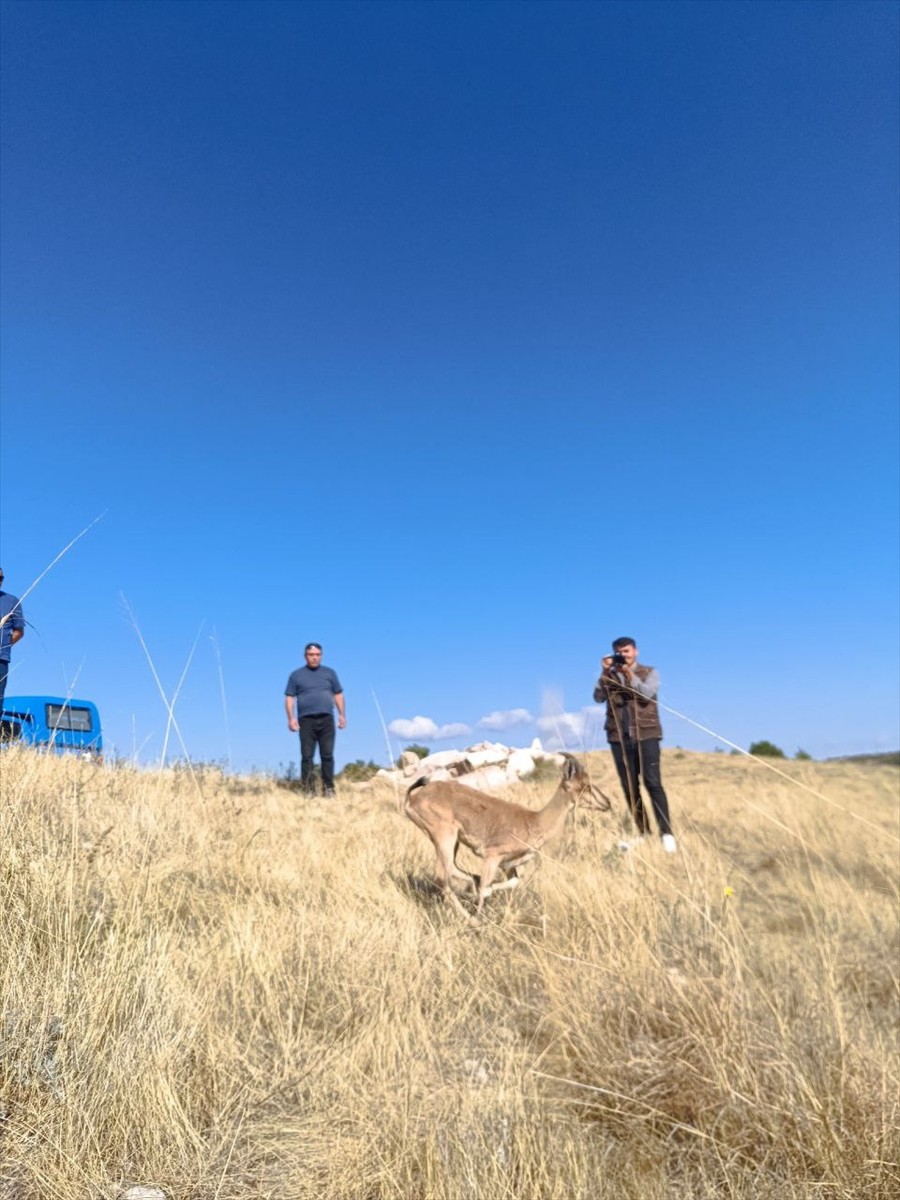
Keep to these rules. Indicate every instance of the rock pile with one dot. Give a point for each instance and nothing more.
(487, 765)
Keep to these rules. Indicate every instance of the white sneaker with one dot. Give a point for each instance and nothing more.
(630, 845)
(669, 844)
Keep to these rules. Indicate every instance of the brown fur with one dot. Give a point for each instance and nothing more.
(504, 835)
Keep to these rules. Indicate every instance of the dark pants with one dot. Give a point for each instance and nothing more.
(4, 674)
(634, 761)
(317, 730)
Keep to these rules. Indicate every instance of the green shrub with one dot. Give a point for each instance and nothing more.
(358, 771)
(766, 750)
(545, 771)
(802, 756)
(420, 751)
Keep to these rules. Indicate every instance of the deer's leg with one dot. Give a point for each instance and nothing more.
(445, 845)
(447, 869)
(446, 848)
(488, 871)
(510, 869)
(512, 880)
(458, 873)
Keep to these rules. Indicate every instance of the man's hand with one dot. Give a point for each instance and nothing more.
(342, 721)
(293, 725)
(611, 670)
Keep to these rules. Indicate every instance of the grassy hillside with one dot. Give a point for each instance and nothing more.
(216, 987)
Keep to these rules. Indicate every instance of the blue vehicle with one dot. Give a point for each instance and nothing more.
(58, 724)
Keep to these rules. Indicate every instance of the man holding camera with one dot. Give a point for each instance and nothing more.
(634, 732)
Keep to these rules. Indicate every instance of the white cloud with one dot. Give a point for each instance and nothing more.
(418, 727)
(506, 720)
(452, 731)
(424, 729)
(562, 730)
(572, 730)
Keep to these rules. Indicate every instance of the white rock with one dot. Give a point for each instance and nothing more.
(518, 764)
(486, 765)
(408, 762)
(495, 746)
(463, 767)
(488, 757)
(487, 779)
(443, 758)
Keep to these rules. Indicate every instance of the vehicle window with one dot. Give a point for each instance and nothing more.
(63, 716)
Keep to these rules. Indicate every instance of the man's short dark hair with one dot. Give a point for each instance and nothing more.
(620, 642)
(311, 646)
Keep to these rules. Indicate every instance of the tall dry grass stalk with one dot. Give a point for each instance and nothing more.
(245, 994)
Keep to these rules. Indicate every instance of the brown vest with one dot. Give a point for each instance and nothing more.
(627, 711)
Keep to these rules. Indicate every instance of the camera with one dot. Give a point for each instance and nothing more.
(618, 659)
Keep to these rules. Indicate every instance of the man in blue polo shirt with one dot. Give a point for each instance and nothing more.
(12, 630)
(311, 695)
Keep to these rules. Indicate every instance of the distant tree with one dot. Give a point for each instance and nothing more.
(802, 756)
(420, 751)
(766, 750)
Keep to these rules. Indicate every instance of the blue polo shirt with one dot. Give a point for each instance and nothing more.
(315, 689)
(11, 608)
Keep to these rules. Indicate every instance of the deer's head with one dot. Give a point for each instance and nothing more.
(577, 785)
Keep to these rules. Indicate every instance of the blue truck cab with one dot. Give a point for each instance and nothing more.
(58, 724)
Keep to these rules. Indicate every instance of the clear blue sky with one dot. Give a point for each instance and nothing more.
(461, 338)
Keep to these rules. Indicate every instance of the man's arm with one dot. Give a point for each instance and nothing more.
(601, 695)
(15, 619)
(293, 723)
(339, 705)
(645, 688)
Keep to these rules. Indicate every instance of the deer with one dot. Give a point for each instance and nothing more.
(504, 835)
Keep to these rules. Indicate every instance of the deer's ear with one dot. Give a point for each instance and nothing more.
(571, 768)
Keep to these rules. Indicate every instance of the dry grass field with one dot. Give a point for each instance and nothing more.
(217, 988)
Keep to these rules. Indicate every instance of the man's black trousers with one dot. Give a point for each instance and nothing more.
(317, 730)
(640, 760)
